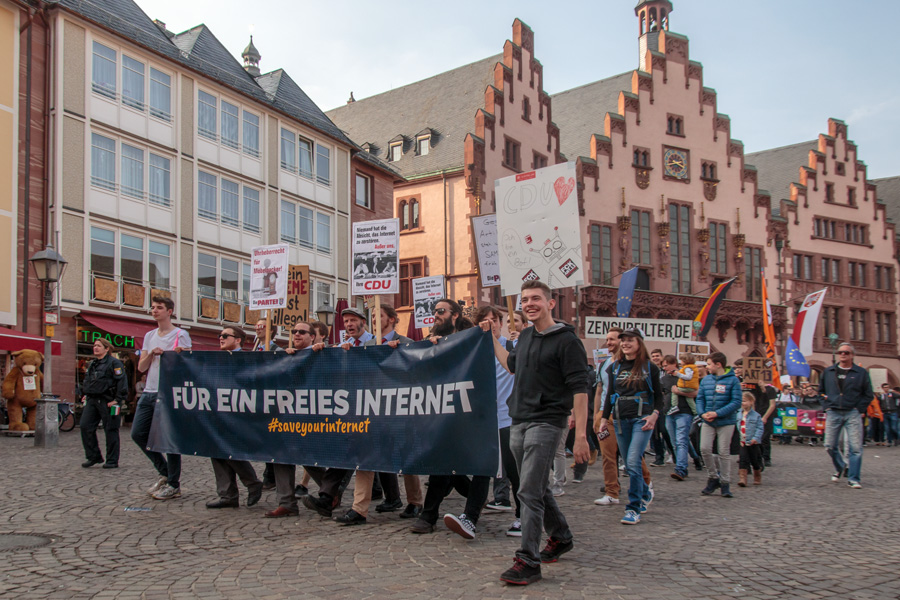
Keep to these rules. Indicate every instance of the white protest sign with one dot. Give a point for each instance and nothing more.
(600, 356)
(655, 330)
(426, 292)
(484, 229)
(376, 257)
(700, 350)
(268, 277)
(537, 222)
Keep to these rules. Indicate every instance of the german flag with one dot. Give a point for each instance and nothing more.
(704, 320)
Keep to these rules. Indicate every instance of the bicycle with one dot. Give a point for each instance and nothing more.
(66, 416)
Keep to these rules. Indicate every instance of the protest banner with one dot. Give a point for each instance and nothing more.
(700, 350)
(484, 230)
(297, 308)
(426, 292)
(538, 227)
(420, 409)
(655, 330)
(376, 257)
(268, 277)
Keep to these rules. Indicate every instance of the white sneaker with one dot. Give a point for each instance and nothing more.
(515, 530)
(557, 491)
(167, 492)
(158, 485)
(461, 525)
(606, 501)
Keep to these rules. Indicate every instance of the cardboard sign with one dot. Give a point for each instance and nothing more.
(700, 350)
(28, 383)
(297, 308)
(426, 292)
(376, 257)
(600, 356)
(655, 330)
(484, 230)
(757, 368)
(268, 277)
(538, 228)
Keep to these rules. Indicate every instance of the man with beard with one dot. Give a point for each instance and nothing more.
(448, 318)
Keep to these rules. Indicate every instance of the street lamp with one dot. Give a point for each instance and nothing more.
(325, 314)
(835, 341)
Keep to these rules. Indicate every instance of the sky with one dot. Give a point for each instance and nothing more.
(781, 68)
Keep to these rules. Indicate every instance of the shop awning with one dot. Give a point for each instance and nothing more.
(119, 326)
(14, 340)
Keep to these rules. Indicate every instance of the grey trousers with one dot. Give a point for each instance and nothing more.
(226, 472)
(534, 445)
(285, 480)
(717, 465)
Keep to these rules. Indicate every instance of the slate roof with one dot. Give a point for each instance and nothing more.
(446, 103)
(200, 50)
(580, 112)
(889, 192)
(778, 168)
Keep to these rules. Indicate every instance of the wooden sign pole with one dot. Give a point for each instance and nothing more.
(377, 319)
(511, 309)
(268, 328)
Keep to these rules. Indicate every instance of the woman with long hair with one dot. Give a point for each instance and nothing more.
(634, 395)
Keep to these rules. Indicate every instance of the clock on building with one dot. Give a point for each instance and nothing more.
(676, 163)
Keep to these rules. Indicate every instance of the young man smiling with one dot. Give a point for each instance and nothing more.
(551, 378)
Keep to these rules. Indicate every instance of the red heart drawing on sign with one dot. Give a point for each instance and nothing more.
(563, 189)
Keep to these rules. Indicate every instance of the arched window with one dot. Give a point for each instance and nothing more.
(643, 22)
(404, 215)
(414, 214)
(637, 156)
(703, 171)
(652, 19)
(671, 125)
(678, 126)
(665, 19)
(645, 158)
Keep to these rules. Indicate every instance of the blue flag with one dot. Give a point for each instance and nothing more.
(795, 361)
(626, 293)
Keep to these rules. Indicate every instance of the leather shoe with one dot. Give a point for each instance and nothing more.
(222, 503)
(389, 505)
(320, 505)
(422, 526)
(411, 512)
(351, 517)
(110, 465)
(253, 496)
(90, 463)
(300, 491)
(281, 512)
(268, 484)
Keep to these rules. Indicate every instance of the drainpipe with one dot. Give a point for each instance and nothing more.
(51, 238)
(27, 184)
(446, 236)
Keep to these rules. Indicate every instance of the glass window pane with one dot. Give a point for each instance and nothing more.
(230, 203)
(323, 232)
(607, 253)
(132, 171)
(323, 164)
(206, 196)
(288, 222)
(230, 114)
(206, 275)
(245, 283)
(158, 268)
(251, 134)
(305, 158)
(103, 251)
(362, 191)
(288, 151)
(104, 70)
(306, 227)
(103, 162)
(206, 115)
(160, 95)
(160, 180)
(132, 83)
(645, 238)
(131, 259)
(230, 278)
(251, 210)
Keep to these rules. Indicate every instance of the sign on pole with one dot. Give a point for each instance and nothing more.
(426, 292)
(297, 308)
(376, 257)
(757, 368)
(655, 330)
(484, 230)
(268, 276)
(700, 350)
(538, 227)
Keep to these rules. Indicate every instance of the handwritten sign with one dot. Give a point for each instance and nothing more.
(757, 368)
(426, 292)
(268, 276)
(700, 350)
(484, 230)
(376, 257)
(297, 308)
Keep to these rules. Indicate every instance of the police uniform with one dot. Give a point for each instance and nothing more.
(104, 382)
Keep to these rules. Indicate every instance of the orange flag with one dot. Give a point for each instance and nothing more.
(769, 330)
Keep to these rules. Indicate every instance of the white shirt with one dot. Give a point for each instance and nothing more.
(152, 339)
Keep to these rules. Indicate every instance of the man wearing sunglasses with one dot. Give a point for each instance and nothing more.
(847, 392)
(448, 318)
(231, 339)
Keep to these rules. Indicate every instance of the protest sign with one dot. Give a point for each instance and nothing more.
(655, 330)
(426, 292)
(538, 227)
(268, 276)
(600, 356)
(420, 409)
(484, 230)
(700, 350)
(757, 368)
(297, 308)
(376, 257)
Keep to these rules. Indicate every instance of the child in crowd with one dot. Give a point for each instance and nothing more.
(751, 429)
(688, 375)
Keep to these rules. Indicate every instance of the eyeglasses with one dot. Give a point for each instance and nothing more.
(225, 336)
(440, 311)
(844, 352)
(301, 331)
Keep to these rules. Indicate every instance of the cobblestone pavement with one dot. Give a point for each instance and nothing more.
(797, 536)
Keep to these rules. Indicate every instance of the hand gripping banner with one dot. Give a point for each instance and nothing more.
(420, 408)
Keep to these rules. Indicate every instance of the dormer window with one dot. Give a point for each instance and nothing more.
(423, 145)
(395, 151)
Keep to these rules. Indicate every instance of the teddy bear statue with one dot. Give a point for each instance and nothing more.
(22, 387)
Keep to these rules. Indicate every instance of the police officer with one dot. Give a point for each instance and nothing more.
(105, 389)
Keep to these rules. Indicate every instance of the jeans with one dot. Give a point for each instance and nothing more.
(559, 464)
(679, 426)
(849, 423)
(892, 427)
(718, 466)
(534, 445)
(168, 467)
(509, 467)
(439, 486)
(632, 441)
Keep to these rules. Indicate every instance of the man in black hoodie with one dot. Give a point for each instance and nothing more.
(551, 377)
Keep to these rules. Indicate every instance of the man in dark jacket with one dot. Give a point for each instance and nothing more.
(847, 392)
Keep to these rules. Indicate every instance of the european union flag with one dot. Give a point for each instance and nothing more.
(626, 293)
(795, 361)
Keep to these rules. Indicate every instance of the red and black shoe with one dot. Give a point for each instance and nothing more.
(521, 573)
(554, 549)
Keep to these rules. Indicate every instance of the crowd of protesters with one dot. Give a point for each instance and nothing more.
(638, 404)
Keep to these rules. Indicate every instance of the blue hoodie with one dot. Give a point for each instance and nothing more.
(720, 394)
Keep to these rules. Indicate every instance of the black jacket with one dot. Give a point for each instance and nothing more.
(106, 381)
(550, 368)
(857, 391)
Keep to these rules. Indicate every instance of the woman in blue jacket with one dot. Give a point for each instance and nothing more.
(718, 402)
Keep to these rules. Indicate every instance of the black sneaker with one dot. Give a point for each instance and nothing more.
(712, 485)
(726, 491)
(300, 491)
(460, 525)
(320, 505)
(554, 549)
(411, 512)
(498, 505)
(351, 517)
(389, 505)
(90, 463)
(698, 464)
(521, 573)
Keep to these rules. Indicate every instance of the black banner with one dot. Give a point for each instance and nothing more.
(421, 408)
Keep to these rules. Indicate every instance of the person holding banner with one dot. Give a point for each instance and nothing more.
(718, 402)
(448, 318)
(635, 393)
(165, 337)
(227, 470)
(551, 384)
(259, 341)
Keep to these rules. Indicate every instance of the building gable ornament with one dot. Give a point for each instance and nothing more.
(642, 81)
(707, 97)
(694, 71)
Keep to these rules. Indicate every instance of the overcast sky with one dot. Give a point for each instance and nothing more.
(781, 67)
